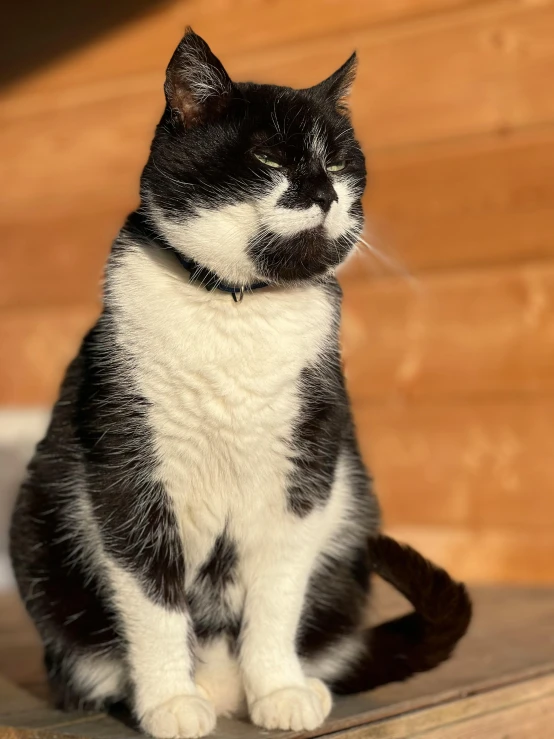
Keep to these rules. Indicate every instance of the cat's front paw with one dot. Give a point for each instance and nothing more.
(182, 717)
(298, 708)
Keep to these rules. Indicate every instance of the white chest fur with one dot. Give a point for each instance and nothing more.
(222, 382)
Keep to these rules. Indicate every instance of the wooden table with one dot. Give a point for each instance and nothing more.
(500, 684)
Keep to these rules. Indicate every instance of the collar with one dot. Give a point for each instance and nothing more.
(198, 274)
(210, 281)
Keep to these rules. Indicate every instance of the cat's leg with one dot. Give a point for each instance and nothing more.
(278, 693)
(160, 655)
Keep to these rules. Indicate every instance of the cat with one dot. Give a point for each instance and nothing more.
(197, 533)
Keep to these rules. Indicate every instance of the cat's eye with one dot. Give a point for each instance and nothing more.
(268, 161)
(336, 167)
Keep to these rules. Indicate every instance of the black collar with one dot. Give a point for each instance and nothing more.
(202, 276)
(210, 281)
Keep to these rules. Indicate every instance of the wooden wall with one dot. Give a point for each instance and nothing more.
(449, 348)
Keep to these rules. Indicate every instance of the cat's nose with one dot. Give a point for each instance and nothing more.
(324, 195)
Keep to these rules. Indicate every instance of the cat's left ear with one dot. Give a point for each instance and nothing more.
(337, 87)
(197, 87)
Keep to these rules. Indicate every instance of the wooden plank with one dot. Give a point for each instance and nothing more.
(79, 162)
(526, 721)
(499, 55)
(9, 732)
(15, 700)
(484, 677)
(97, 136)
(57, 261)
(483, 554)
(240, 26)
(475, 202)
(482, 464)
(35, 348)
(461, 334)
(526, 705)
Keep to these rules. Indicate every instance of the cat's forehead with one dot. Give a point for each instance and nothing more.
(293, 119)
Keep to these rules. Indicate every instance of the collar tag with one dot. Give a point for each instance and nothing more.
(240, 294)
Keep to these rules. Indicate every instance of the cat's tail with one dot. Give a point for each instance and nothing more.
(420, 640)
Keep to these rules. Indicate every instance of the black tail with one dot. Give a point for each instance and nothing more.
(420, 640)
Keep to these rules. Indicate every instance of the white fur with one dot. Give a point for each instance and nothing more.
(338, 221)
(336, 659)
(286, 221)
(159, 661)
(218, 678)
(100, 677)
(318, 144)
(221, 379)
(204, 79)
(219, 239)
(158, 653)
(297, 709)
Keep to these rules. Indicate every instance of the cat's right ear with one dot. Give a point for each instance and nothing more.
(197, 87)
(337, 87)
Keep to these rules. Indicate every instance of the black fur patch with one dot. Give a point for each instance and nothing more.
(208, 598)
(134, 516)
(317, 437)
(219, 569)
(317, 440)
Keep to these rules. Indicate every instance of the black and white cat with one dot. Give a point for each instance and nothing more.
(197, 531)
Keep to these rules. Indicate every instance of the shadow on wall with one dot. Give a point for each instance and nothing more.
(19, 432)
(36, 32)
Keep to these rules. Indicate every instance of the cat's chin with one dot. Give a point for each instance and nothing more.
(309, 254)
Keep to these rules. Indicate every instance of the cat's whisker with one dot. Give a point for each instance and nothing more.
(395, 266)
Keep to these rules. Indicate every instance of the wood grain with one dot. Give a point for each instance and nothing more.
(482, 464)
(503, 54)
(35, 348)
(484, 554)
(484, 681)
(526, 708)
(471, 202)
(529, 719)
(80, 162)
(57, 261)
(461, 334)
(231, 26)
(14, 699)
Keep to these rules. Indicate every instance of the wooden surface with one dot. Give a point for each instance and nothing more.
(449, 344)
(500, 683)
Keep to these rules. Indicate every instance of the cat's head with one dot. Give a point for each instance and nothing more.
(254, 182)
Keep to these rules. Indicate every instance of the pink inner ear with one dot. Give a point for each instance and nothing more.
(197, 85)
(181, 98)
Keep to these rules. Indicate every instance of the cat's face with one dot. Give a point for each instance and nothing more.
(255, 182)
